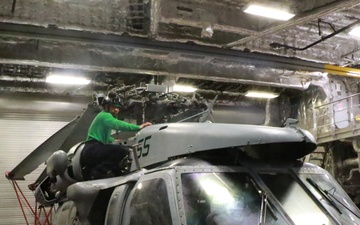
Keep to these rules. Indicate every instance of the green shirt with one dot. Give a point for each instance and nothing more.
(104, 122)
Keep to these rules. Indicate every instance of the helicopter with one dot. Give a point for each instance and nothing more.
(195, 174)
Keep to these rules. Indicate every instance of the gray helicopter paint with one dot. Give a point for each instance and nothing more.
(208, 136)
(56, 164)
(117, 200)
(84, 193)
(173, 140)
(66, 215)
(84, 196)
(102, 184)
(158, 143)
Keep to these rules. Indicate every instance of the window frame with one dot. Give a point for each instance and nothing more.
(223, 169)
(170, 193)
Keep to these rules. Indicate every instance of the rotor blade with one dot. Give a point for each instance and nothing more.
(41, 153)
(209, 111)
(42, 177)
(72, 133)
(77, 134)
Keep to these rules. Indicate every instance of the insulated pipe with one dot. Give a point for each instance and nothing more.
(100, 40)
(356, 147)
(350, 163)
(278, 45)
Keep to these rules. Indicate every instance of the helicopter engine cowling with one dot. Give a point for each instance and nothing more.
(57, 163)
(69, 174)
(63, 169)
(75, 162)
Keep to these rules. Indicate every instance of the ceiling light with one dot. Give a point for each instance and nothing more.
(183, 88)
(268, 12)
(66, 79)
(261, 94)
(355, 31)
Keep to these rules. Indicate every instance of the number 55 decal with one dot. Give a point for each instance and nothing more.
(143, 146)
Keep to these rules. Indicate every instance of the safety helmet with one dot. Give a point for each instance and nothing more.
(112, 99)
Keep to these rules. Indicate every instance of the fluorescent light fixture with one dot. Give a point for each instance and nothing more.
(183, 88)
(268, 12)
(355, 32)
(261, 94)
(66, 79)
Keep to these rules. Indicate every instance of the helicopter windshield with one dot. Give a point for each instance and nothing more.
(223, 198)
(295, 201)
(335, 199)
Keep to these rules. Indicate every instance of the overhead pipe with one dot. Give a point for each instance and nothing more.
(321, 21)
(306, 17)
(278, 45)
(259, 60)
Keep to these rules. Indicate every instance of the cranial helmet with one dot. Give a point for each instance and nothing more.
(112, 99)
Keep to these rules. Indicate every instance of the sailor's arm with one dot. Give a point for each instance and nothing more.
(120, 125)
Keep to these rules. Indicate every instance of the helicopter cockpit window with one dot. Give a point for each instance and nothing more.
(223, 198)
(150, 204)
(295, 201)
(332, 197)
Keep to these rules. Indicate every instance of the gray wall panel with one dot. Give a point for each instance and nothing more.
(17, 139)
(26, 122)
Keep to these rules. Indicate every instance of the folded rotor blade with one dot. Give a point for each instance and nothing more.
(77, 134)
(71, 134)
(41, 153)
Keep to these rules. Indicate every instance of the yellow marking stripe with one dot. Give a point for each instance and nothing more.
(343, 71)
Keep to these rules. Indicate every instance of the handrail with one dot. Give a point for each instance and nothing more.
(338, 100)
(329, 118)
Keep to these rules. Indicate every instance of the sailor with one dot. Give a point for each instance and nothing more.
(100, 157)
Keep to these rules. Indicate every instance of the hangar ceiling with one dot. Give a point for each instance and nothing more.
(211, 44)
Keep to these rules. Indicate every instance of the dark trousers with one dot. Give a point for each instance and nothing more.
(102, 157)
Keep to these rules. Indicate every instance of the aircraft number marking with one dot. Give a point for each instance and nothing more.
(143, 146)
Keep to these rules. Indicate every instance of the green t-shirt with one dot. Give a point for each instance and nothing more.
(104, 122)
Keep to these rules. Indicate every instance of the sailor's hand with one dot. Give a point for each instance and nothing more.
(145, 125)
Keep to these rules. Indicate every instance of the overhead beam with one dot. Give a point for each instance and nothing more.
(26, 44)
(37, 33)
(200, 24)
